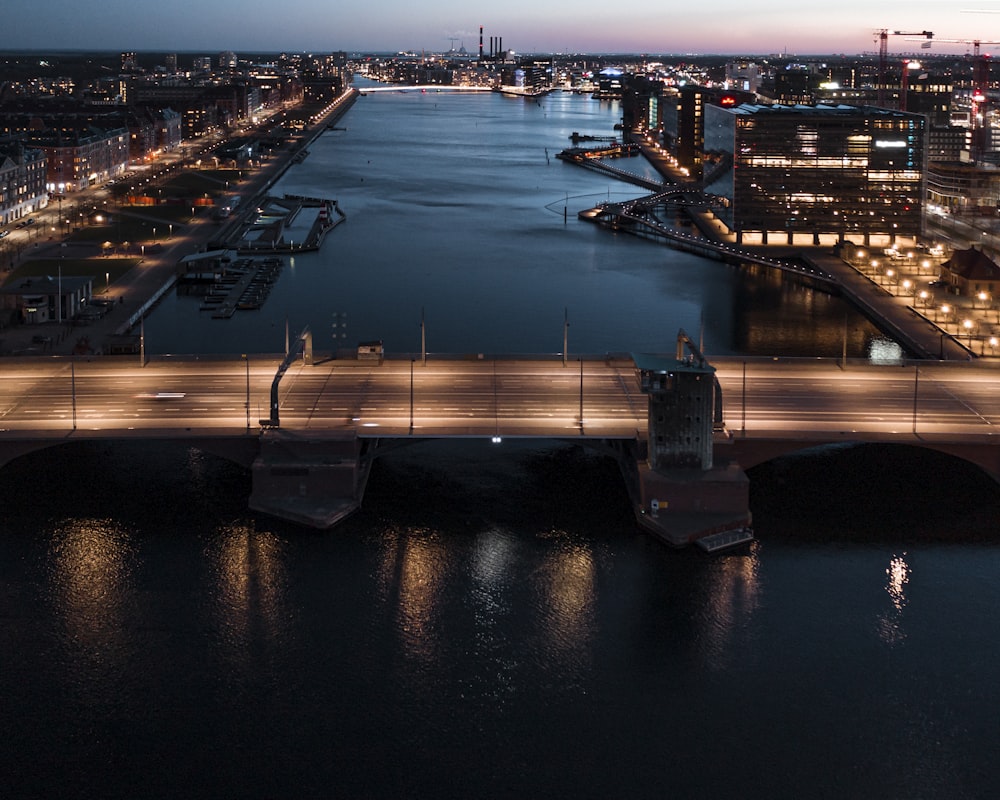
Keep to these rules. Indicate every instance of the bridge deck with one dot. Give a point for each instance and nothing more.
(485, 397)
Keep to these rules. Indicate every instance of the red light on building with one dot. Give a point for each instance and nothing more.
(727, 101)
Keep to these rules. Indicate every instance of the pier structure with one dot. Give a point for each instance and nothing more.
(266, 227)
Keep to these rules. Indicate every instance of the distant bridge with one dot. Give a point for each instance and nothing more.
(428, 87)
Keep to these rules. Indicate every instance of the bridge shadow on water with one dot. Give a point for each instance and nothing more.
(533, 487)
(874, 493)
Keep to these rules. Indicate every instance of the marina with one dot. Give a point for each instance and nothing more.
(230, 286)
(282, 225)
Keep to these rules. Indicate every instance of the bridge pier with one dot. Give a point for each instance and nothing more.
(312, 480)
(681, 506)
(680, 493)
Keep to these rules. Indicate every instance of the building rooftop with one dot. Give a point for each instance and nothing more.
(820, 109)
(972, 264)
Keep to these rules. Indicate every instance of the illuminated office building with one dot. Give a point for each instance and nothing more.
(797, 172)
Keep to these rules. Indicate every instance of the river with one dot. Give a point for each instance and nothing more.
(492, 623)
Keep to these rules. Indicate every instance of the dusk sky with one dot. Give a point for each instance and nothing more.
(722, 26)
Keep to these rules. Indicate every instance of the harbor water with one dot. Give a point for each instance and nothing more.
(492, 623)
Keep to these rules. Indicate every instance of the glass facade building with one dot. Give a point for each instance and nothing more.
(852, 171)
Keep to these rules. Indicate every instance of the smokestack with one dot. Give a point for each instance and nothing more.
(491, 47)
(480, 42)
(500, 46)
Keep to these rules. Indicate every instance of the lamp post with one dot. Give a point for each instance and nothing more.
(411, 395)
(968, 324)
(72, 378)
(565, 334)
(743, 400)
(246, 359)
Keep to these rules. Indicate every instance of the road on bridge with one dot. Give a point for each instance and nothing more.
(507, 397)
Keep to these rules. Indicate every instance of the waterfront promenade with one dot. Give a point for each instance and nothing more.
(888, 294)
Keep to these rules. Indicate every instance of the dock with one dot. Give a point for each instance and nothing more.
(232, 285)
(723, 540)
(278, 225)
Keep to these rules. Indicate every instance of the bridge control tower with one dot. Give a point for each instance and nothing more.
(683, 495)
(681, 410)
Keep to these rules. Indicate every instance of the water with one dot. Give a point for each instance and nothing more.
(455, 210)
(492, 623)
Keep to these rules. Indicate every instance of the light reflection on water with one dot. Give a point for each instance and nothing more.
(479, 630)
(565, 584)
(250, 590)
(91, 564)
(732, 598)
(891, 621)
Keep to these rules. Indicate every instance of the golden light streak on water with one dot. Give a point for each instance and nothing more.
(734, 597)
(890, 623)
(251, 586)
(416, 571)
(567, 594)
(91, 564)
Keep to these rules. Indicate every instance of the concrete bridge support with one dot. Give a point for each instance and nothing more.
(681, 492)
(312, 480)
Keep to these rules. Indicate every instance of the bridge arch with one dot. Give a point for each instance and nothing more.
(241, 450)
(749, 453)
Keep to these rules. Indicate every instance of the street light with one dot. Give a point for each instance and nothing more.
(968, 324)
(246, 358)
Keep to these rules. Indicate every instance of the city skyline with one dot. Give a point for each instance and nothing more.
(309, 26)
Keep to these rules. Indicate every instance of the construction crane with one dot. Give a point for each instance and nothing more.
(883, 55)
(977, 96)
(980, 64)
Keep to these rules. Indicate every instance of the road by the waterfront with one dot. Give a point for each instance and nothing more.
(159, 260)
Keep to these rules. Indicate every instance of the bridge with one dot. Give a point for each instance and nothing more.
(427, 87)
(337, 416)
(638, 216)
